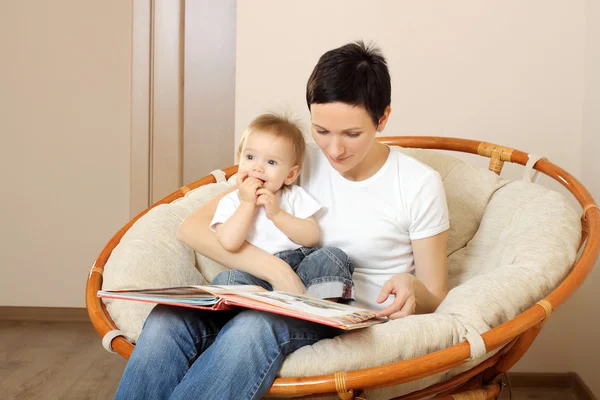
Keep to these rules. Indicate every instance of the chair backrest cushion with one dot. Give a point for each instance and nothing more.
(468, 192)
(149, 255)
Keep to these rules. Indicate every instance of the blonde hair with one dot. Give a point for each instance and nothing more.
(281, 126)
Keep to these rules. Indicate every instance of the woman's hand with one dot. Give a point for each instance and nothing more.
(403, 287)
(248, 187)
(286, 280)
(270, 201)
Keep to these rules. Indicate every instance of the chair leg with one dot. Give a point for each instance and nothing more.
(489, 392)
(348, 395)
(352, 395)
(515, 353)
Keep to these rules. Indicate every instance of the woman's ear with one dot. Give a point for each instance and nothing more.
(384, 119)
(292, 175)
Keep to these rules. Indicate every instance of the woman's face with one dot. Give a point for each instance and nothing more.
(344, 133)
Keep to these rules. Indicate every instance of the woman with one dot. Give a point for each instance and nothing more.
(386, 210)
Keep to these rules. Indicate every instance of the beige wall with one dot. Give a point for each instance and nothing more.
(515, 73)
(561, 346)
(64, 153)
(507, 72)
(209, 87)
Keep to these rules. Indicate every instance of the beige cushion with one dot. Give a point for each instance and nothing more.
(510, 243)
(149, 255)
(525, 246)
(468, 191)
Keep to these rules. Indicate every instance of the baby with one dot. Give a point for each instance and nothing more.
(270, 212)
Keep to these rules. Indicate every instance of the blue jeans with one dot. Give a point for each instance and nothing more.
(326, 272)
(186, 353)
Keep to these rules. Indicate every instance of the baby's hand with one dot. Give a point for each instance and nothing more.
(240, 177)
(248, 188)
(268, 199)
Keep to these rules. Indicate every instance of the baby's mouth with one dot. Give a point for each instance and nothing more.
(262, 181)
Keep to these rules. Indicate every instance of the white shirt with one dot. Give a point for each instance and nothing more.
(375, 220)
(263, 233)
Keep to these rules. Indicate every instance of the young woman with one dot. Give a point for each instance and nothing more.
(386, 210)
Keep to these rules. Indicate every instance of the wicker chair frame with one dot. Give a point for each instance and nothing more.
(484, 381)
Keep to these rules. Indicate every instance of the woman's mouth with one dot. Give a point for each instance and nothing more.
(339, 160)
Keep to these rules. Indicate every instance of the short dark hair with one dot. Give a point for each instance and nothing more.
(354, 74)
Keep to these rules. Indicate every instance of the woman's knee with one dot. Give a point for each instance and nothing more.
(164, 321)
(156, 332)
(253, 326)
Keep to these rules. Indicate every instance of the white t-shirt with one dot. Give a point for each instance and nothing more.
(263, 233)
(375, 220)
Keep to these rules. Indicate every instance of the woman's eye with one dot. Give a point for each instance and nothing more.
(321, 131)
(272, 162)
(353, 134)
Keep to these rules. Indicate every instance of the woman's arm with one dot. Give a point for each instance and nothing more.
(195, 232)
(431, 271)
(423, 292)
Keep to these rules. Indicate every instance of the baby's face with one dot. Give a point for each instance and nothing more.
(268, 158)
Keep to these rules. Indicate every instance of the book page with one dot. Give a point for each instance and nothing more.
(312, 306)
(232, 289)
(191, 291)
(184, 291)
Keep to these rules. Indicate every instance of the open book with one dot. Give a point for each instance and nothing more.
(215, 297)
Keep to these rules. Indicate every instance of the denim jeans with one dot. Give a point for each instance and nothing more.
(326, 272)
(186, 353)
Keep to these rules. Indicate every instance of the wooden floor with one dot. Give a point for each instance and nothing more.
(50, 360)
(66, 360)
(539, 394)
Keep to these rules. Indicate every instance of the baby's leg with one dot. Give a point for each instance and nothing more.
(327, 273)
(237, 277)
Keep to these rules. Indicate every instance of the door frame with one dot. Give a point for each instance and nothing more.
(157, 101)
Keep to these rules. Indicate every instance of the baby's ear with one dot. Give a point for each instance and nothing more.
(292, 175)
(239, 156)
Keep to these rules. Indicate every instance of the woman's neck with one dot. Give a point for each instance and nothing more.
(369, 166)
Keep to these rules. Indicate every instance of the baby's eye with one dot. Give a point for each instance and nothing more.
(249, 157)
(272, 162)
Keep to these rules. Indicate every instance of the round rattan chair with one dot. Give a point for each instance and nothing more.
(513, 337)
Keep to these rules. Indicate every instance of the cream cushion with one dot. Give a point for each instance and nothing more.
(149, 255)
(510, 244)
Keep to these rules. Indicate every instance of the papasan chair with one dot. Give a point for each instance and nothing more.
(516, 252)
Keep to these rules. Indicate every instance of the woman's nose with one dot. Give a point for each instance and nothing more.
(336, 149)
